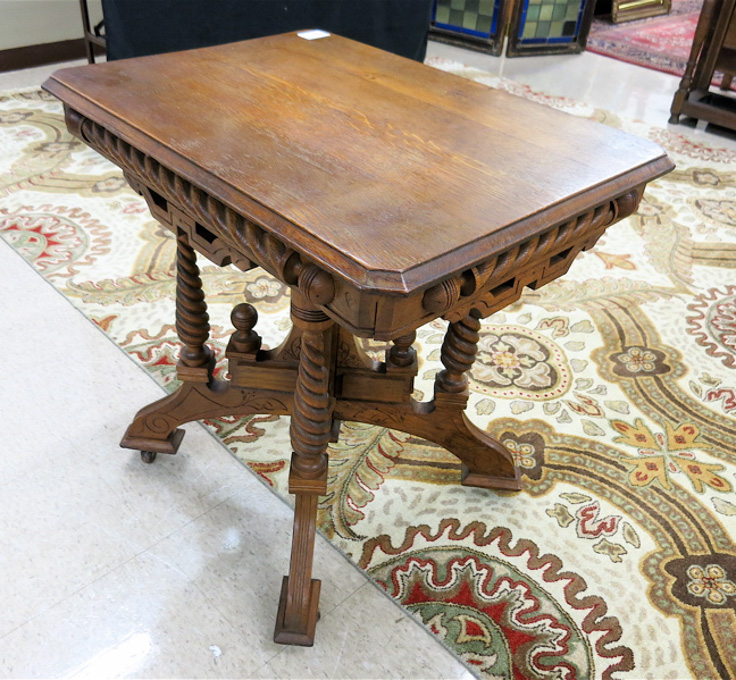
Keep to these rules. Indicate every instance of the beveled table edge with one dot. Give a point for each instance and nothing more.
(333, 260)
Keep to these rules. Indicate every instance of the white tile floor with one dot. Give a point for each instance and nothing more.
(111, 568)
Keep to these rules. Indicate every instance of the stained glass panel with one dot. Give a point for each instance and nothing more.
(550, 21)
(470, 17)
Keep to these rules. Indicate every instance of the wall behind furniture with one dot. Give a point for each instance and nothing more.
(34, 22)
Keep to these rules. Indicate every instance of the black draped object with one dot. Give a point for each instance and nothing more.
(138, 27)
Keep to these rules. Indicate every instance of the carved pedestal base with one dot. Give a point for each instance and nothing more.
(319, 376)
(370, 393)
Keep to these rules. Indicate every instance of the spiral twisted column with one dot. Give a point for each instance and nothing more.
(192, 320)
(311, 421)
(311, 425)
(458, 354)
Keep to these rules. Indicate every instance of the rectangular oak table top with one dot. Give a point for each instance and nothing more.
(390, 175)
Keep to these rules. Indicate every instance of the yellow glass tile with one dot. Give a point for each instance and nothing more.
(530, 29)
(545, 14)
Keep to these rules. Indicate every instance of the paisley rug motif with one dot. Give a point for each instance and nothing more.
(614, 387)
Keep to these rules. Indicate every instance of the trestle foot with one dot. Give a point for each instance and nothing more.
(486, 481)
(152, 444)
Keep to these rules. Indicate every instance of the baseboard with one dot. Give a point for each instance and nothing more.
(46, 53)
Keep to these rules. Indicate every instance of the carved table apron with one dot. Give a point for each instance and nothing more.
(524, 227)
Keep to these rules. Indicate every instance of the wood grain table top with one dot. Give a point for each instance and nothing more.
(386, 172)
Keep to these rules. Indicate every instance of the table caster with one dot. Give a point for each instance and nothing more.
(148, 456)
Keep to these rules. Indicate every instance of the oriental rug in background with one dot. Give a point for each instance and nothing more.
(661, 43)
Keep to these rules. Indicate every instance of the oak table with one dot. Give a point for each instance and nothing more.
(386, 194)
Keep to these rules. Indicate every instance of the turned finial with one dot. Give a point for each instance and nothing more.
(244, 317)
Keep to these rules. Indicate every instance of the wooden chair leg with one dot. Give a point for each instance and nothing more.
(311, 429)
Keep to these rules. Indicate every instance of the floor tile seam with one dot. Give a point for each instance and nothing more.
(234, 626)
(74, 593)
(119, 565)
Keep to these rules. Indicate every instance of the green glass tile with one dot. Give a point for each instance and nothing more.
(558, 12)
(457, 4)
(532, 14)
(469, 20)
(456, 18)
(486, 7)
(545, 14)
(530, 29)
(443, 14)
(542, 29)
(472, 6)
(572, 12)
(484, 24)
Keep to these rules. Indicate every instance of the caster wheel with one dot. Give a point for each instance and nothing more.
(148, 456)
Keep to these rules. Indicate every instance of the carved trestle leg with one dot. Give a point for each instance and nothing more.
(155, 427)
(486, 462)
(383, 397)
(154, 430)
(311, 425)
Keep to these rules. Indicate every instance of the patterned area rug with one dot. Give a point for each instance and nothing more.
(662, 43)
(614, 386)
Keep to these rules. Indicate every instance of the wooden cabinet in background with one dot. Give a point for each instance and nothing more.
(713, 51)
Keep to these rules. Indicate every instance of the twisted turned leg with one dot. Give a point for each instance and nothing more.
(486, 462)
(192, 319)
(311, 425)
(154, 429)
(457, 356)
